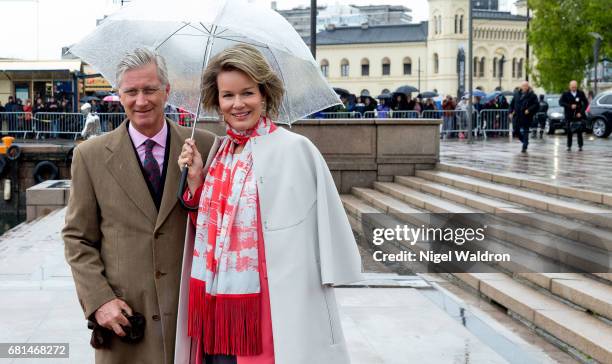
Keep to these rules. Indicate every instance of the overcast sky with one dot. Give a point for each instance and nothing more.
(38, 29)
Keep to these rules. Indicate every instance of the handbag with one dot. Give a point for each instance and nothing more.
(575, 126)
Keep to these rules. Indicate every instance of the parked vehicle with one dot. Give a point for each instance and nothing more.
(555, 117)
(599, 115)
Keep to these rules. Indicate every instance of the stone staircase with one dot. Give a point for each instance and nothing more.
(560, 225)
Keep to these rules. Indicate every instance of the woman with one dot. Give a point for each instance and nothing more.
(271, 235)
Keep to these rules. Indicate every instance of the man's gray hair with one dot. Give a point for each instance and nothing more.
(141, 57)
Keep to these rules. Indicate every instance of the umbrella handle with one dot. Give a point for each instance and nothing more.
(181, 190)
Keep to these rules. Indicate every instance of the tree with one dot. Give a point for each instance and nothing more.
(559, 35)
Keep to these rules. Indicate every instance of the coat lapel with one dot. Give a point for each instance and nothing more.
(125, 169)
(169, 198)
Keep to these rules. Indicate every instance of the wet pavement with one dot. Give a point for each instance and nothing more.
(391, 325)
(546, 159)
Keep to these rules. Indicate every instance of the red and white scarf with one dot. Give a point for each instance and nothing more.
(224, 289)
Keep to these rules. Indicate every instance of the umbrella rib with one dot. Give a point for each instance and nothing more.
(205, 31)
(283, 107)
(170, 36)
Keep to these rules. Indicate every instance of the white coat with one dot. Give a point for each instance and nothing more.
(309, 246)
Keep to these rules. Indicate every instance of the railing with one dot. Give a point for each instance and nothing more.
(485, 123)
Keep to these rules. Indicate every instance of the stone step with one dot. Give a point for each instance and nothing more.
(526, 181)
(592, 295)
(560, 226)
(594, 214)
(577, 288)
(570, 325)
(580, 330)
(566, 251)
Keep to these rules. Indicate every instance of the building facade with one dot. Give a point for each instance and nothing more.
(346, 15)
(379, 58)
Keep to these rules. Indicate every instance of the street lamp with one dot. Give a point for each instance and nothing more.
(598, 39)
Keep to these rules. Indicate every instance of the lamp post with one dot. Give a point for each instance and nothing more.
(598, 39)
(313, 28)
(470, 72)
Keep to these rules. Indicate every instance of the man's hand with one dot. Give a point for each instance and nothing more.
(578, 115)
(110, 315)
(526, 112)
(573, 106)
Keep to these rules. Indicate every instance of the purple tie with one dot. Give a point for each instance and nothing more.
(151, 166)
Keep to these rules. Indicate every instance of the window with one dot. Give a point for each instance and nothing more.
(386, 67)
(456, 24)
(475, 67)
(461, 24)
(519, 71)
(407, 66)
(436, 63)
(481, 69)
(606, 100)
(513, 67)
(365, 67)
(495, 67)
(325, 68)
(344, 68)
(501, 67)
(385, 91)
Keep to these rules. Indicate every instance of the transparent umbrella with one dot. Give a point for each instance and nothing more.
(187, 33)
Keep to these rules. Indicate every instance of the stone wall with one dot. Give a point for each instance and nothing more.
(361, 151)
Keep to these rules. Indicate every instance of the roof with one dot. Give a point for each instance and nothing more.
(71, 65)
(497, 15)
(398, 33)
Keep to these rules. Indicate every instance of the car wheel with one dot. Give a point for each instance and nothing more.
(601, 128)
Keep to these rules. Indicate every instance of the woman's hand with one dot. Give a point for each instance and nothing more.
(193, 159)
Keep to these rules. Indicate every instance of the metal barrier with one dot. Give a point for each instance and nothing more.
(338, 115)
(54, 124)
(489, 122)
(494, 122)
(376, 114)
(405, 114)
(109, 121)
(16, 123)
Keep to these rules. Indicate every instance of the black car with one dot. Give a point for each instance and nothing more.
(555, 117)
(599, 115)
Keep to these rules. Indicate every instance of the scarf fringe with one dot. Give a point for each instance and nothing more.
(233, 324)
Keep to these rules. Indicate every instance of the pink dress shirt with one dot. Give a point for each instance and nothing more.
(159, 150)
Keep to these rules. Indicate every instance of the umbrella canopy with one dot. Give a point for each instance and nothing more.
(384, 96)
(111, 98)
(477, 93)
(507, 93)
(187, 33)
(89, 98)
(406, 89)
(341, 91)
(428, 94)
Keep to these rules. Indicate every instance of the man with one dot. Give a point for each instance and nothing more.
(523, 107)
(124, 231)
(574, 103)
